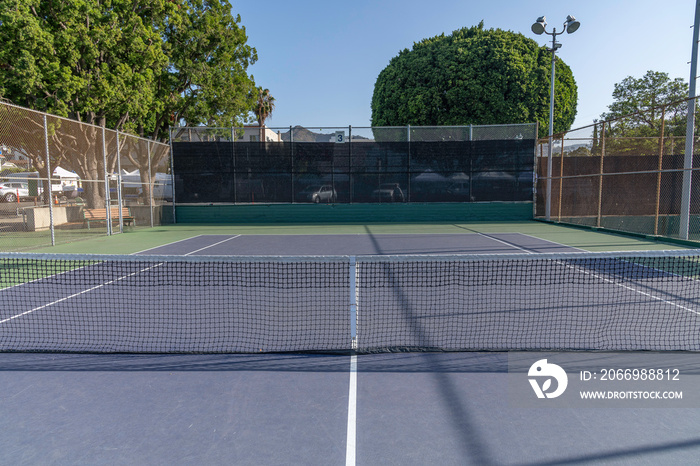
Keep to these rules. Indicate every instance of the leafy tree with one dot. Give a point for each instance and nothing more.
(89, 61)
(474, 76)
(640, 101)
(132, 65)
(83, 60)
(579, 151)
(634, 120)
(206, 81)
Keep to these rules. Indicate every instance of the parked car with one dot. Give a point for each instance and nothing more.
(388, 192)
(11, 190)
(318, 193)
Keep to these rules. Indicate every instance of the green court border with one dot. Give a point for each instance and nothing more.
(586, 239)
(664, 239)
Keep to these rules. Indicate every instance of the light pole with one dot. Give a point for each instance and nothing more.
(539, 27)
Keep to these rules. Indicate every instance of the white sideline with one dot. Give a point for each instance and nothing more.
(100, 285)
(78, 294)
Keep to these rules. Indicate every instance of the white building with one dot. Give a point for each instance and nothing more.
(252, 134)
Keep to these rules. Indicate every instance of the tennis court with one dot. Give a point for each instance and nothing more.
(359, 244)
(333, 337)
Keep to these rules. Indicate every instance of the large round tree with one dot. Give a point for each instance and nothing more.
(474, 76)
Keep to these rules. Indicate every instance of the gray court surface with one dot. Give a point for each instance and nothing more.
(314, 409)
(383, 244)
(444, 408)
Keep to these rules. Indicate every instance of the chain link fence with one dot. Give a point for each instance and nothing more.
(353, 165)
(60, 180)
(624, 174)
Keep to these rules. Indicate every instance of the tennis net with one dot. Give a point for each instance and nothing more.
(161, 304)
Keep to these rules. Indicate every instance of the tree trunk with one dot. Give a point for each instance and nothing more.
(92, 196)
(44, 185)
(145, 185)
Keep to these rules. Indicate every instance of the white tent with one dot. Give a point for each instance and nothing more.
(64, 174)
(135, 177)
(461, 176)
(429, 176)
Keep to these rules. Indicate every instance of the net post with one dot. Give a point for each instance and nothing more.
(353, 303)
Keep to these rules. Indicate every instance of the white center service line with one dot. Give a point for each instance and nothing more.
(352, 414)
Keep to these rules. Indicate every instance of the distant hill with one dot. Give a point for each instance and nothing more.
(302, 134)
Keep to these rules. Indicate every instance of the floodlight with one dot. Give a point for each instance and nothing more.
(539, 25)
(571, 24)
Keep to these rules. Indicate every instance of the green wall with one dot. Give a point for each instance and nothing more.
(354, 213)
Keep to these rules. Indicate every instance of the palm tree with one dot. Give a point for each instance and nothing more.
(264, 106)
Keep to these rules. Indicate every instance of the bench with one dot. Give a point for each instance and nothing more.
(100, 215)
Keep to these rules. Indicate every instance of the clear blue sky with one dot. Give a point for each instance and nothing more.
(320, 59)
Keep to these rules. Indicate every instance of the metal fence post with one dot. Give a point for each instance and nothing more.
(233, 161)
(107, 200)
(150, 182)
(684, 228)
(535, 169)
(408, 163)
(48, 174)
(120, 216)
(172, 171)
(600, 181)
(561, 179)
(349, 160)
(291, 155)
(687, 190)
(658, 174)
